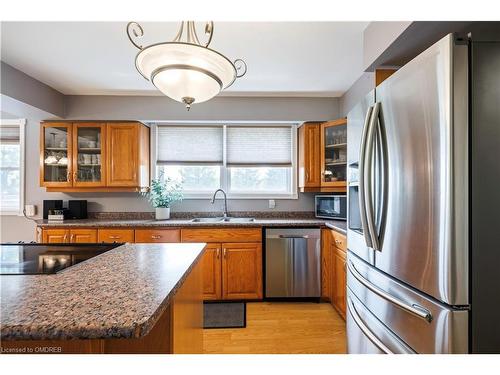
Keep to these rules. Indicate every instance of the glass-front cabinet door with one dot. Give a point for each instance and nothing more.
(334, 154)
(56, 155)
(89, 161)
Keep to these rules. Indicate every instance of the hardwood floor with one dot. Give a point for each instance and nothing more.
(281, 328)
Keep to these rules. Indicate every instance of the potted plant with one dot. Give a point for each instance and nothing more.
(162, 194)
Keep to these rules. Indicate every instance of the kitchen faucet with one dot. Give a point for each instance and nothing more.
(225, 201)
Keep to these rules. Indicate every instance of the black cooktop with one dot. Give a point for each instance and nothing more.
(34, 258)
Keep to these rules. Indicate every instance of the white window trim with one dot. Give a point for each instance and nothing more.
(22, 149)
(224, 176)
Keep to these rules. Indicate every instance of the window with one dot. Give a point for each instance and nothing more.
(246, 161)
(12, 166)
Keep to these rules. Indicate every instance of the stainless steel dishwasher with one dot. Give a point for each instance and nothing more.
(292, 262)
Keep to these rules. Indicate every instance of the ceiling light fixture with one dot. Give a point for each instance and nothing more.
(188, 72)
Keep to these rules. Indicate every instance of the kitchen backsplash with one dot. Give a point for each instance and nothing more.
(190, 215)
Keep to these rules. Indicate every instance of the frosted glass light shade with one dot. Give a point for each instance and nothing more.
(183, 70)
(184, 83)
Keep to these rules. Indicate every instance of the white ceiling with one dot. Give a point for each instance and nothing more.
(96, 58)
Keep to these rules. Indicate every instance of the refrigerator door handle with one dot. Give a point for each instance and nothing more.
(369, 334)
(413, 308)
(362, 186)
(368, 178)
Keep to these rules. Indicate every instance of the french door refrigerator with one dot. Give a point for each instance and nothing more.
(423, 197)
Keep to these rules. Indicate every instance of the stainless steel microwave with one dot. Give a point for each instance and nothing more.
(331, 206)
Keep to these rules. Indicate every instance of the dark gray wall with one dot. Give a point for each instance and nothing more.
(233, 108)
(356, 92)
(22, 87)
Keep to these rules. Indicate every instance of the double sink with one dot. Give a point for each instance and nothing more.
(223, 220)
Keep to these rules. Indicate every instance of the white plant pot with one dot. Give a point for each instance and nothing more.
(162, 213)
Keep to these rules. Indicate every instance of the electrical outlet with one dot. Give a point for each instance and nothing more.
(30, 210)
(272, 203)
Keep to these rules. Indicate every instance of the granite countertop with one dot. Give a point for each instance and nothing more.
(339, 225)
(118, 294)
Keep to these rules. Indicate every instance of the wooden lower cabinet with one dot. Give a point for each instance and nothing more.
(55, 235)
(333, 269)
(326, 264)
(115, 235)
(339, 281)
(242, 271)
(232, 262)
(212, 278)
(83, 235)
(69, 236)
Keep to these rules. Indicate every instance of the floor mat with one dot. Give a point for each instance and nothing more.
(224, 315)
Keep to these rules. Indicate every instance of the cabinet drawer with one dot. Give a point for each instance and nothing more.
(222, 235)
(157, 235)
(116, 235)
(339, 240)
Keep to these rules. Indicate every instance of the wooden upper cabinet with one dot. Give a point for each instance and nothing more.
(123, 155)
(382, 74)
(309, 157)
(56, 154)
(333, 154)
(211, 265)
(94, 156)
(128, 155)
(89, 150)
(242, 271)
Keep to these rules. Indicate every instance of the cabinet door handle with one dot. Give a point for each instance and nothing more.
(65, 238)
(338, 242)
(68, 176)
(225, 253)
(155, 236)
(218, 253)
(114, 237)
(71, 238)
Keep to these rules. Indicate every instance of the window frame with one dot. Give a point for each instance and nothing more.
(22, 151)
(224, 169)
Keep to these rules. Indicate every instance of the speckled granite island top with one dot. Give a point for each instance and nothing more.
(118, 294)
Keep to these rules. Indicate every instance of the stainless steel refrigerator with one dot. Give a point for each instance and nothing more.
(423, 201)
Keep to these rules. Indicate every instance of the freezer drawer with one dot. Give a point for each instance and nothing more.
(292, 263)
(424, 324)
(367, 334)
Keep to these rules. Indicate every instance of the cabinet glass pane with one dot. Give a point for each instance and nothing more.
(335, 153)
(88, 154)
(56, 154)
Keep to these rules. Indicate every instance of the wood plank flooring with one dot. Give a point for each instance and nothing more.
(281, 328)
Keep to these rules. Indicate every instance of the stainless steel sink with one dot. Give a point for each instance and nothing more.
(239, 219)
(207, 219)
(222, 219)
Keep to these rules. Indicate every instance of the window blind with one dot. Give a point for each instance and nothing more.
(190, 145)
(9, 134)
(259, 146)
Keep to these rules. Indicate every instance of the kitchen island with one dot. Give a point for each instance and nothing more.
(136, 298)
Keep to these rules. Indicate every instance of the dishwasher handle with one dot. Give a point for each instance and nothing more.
(288, 236)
